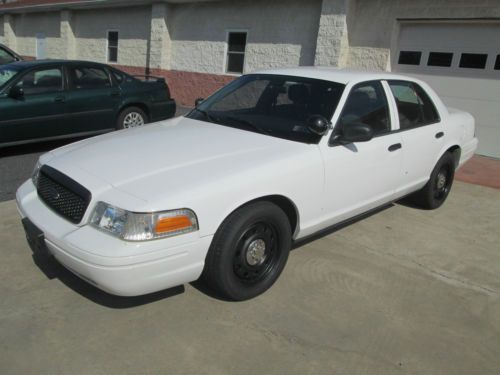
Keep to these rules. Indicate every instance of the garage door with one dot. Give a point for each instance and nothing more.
(461, 61)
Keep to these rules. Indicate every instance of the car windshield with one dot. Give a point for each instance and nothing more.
(6, 74)
(275, 105)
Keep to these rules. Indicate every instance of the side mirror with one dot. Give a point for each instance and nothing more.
(318, 124)
(356, 132)
(16, 92)
(198, 101)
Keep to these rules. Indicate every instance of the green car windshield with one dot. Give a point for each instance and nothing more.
(7, 73)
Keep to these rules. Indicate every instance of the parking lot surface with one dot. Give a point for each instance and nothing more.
(404, 291)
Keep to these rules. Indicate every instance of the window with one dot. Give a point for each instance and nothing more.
(6, 57)
(237, 42)
(473, 60)
(273, 105)
(112, 46)
(440, 59)
(89, 78)
(497, 63)
(367, 104)
(41, 81)
(415, 108)
(409, 58)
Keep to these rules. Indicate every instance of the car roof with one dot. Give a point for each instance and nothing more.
(343, 76)
(34, 63)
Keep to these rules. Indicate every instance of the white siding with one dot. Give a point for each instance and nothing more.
(90, 29)
(280, 33)
(26, 26)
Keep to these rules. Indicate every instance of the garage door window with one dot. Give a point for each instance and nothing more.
(497, 63)
(409, 58)
(442, 59)
(415, 108)
(473, 60)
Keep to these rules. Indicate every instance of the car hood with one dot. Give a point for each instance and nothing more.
(170, 156)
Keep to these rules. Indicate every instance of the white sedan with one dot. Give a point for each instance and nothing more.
(223, 192)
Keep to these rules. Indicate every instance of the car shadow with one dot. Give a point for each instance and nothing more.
(198, 285)
(52, 269)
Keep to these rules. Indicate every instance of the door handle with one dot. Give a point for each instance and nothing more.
(394, 147)
(439, 135)
(59, 99)
(115, 93)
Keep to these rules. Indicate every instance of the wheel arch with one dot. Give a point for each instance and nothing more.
(455, 151)
(140, 105)
(283, 202)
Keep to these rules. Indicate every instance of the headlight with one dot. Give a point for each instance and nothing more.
(36, 173)
(132, 226)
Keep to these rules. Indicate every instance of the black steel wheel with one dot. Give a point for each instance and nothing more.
(435, 192)
(248, 252)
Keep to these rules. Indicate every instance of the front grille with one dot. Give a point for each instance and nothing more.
(62, 194)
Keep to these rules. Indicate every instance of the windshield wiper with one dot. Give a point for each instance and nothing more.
(247, 124)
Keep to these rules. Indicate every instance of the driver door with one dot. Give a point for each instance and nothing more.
(362, 175)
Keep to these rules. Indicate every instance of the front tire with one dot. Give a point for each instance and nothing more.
(248, 252)
(435, 192)
(131, 117)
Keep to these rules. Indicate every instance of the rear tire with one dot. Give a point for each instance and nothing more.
(435, 192)
(248, 252)
(131, 117)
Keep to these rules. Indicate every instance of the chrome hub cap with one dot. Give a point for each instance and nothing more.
(133, 120)
(256, 253)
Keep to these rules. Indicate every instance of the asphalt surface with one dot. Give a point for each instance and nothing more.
(17, 163)
(404, 291)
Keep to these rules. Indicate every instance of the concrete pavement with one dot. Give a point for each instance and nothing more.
(403, 291)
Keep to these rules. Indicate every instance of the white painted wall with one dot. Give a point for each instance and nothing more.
(26, 26)
(280, 33)
(90, 31)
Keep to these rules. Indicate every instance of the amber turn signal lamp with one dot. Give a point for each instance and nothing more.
(173, 223)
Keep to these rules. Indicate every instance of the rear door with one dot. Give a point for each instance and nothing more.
(92, 98)
(40, 112)
(422, 133)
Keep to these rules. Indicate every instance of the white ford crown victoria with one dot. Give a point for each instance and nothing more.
(223, 192)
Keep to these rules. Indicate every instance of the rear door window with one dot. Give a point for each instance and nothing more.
(415, 108)
(89, 77)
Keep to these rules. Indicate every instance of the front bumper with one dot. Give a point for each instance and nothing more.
(115, 266)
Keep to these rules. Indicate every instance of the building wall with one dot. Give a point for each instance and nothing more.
(373, 24)
(90, 29)
(26, 26)
(282, 35)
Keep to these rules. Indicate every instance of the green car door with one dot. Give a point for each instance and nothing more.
(33, 107)
(92, 99)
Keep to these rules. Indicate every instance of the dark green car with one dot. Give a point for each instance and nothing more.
(41, 100)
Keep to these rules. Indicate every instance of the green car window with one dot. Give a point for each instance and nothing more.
(6, 74)
(41, 81)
